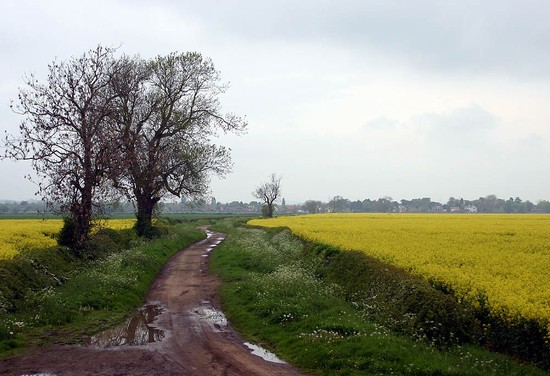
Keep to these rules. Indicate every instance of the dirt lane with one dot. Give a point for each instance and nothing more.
(196, 339)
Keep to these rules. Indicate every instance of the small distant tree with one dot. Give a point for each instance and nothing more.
(268, 193)
(338, 204)
(312, 206)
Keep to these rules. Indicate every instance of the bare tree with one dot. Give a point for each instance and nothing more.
(64, 135)
(268, 192)
(167, 114)
(146, 125)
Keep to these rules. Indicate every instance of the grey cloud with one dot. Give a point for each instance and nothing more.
(505, 37)
(471, 124)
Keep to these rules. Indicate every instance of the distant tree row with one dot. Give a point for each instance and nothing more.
(197, 205)
(338, 204)
(487, 204)
(22, 207)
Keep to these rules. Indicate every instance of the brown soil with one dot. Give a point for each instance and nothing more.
(189, 341)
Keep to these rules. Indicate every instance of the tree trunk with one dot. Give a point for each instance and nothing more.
(82, 228)
(84, 217)
(144, 215)
(81, 208)
(76, 227)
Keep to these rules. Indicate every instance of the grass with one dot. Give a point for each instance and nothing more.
(495, 265)
(294, 301)
(52, 291)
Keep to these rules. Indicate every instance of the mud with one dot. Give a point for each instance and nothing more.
(139, 330)
(180, 330)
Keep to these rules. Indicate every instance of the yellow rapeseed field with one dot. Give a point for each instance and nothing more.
(19, 234)
(504, 257)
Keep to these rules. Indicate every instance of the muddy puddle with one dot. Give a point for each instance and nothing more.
(217, 321)
(263, 353)
(138, 330)
(214, 318)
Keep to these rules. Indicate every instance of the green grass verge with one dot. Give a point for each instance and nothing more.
(290, 300)
(52, 295)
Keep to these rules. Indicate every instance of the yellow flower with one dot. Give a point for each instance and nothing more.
(19, 234)
(505, 258)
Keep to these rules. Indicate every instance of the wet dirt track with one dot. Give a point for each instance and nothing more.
(195, 338)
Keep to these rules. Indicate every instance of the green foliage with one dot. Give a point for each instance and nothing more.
(401, 302)
(107, 240)
(44, 288)
(67, 234)
(103, 241)
(425, 310)
(259, 251)
(148, 230)
(306, 306)
(31, 271)
(520, 337)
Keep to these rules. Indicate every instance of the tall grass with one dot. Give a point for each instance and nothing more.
(42, 289)
(291, 300)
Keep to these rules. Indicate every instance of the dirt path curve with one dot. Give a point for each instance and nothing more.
(195, 337)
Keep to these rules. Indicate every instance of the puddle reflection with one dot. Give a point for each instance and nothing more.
(136, 331)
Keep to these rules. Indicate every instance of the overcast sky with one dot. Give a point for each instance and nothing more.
(356, 98)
